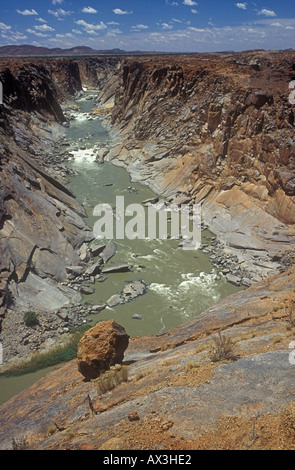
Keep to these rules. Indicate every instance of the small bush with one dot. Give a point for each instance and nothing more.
(191, 365)
(30, 318)
(20, 444)
(110, 379)
(223, 349)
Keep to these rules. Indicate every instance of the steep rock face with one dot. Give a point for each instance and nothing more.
(29, 87)
(67, 74)
(41, 224)
(94, 71)
(218, 130)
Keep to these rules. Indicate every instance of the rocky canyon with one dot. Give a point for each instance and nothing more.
(209, 129)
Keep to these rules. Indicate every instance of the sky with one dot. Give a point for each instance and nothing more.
(150, 25)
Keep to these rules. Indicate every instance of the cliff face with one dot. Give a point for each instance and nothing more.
(215, 130)
(30, 88)
(41, 223)
(94, 71)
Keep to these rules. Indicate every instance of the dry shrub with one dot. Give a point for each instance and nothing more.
(112, 378)
(223, 349)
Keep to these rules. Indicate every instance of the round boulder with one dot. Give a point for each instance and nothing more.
(100, 348)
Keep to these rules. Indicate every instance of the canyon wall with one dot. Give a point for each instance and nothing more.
(217, 130)
(41, 224)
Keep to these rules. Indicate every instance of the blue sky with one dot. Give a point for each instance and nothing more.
(150, 25)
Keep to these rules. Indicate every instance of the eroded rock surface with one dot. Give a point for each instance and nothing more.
(182, 399)
(41, 224)
(216, 131)
(100, 348)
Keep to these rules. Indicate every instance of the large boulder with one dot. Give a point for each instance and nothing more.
(100, 348)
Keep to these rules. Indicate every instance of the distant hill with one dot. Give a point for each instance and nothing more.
(34, 51)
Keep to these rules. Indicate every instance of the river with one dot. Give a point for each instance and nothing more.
(181, 284)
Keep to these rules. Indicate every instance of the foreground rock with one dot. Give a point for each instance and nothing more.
(182, 399)
(100, 348)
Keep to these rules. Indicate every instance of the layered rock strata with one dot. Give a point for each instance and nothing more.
(41, 224)
(216, 131)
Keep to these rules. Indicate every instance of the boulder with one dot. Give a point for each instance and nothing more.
(133, 290)
(115, 300)
(235, 280)
(100, 348)
(97, 249)
(75, 270)
(86, 290)
(94, 269)
(98, 308)
(109, 251)
(121, 268)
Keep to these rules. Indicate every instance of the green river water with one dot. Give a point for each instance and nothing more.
(181, 284)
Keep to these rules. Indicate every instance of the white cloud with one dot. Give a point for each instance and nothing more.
(43, 28)
(113, 32)
(76, 31)
(266, 12)
(89, 10)
(283, 26)
(243, 6)
(139, 26)
(59, 13)
(189, 3)
(41, 20)
(4, 27)
(197, 30)
(27, 12)
(118, 11)
(166, 26)
(91, 28)
(36, 33)
(16, 37)
(193, 10)
(66, 35)
(57, 2)
(113, 23)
